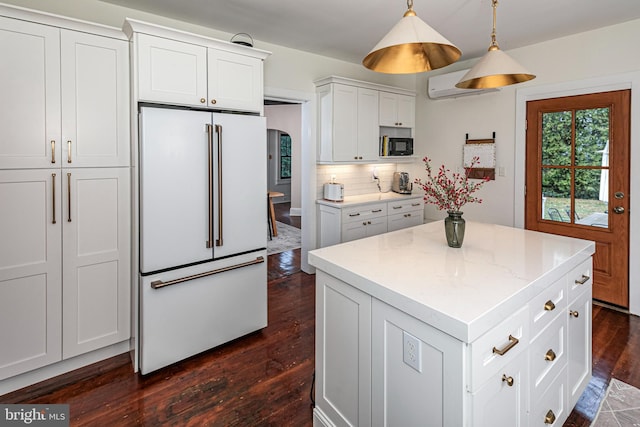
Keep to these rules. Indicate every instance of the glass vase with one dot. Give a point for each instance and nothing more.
(454, 229)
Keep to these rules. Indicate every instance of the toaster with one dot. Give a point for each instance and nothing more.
(401, 183)
(334, 191)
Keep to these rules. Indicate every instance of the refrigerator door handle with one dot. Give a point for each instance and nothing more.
(210, 157)
(157, 284)
(219, 132)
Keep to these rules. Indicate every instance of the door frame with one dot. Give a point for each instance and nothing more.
(599, 84)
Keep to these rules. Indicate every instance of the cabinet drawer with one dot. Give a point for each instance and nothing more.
(403, 220)
(403, 206)
(359, 213)
(579, 279)
(547, 305)
(550, 407)
(509, 338)
(548, 354)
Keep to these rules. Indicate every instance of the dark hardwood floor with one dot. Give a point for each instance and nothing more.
(265, 378)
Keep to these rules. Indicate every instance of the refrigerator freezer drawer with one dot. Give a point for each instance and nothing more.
(188, 317)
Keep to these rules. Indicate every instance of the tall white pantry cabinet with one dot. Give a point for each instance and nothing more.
(64, 192)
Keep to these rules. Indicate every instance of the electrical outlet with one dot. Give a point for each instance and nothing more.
(374, 175)
(411, 351)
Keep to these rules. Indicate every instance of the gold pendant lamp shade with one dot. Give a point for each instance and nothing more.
(496, 68)
(411, 46)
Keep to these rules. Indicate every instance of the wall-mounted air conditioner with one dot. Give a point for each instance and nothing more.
(444, 86)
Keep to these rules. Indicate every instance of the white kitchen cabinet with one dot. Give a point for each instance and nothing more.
(30, 87)
(235, 81)
(524, 368)
(343, 356)
(348, 119)
(95, 100)
(171, 71)
(403, 214)
(69, 98)
(30, 270)
(363, 228)
(397, 110)
(179, 68)
(96, 262)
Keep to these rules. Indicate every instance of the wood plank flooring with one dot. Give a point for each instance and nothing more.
(264, 379)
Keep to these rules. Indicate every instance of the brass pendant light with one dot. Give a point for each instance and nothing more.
(411, 46)
(495, 68)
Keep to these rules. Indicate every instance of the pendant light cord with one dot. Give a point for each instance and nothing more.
(494, 43)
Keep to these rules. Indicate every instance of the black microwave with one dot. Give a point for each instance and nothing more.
(400, 146)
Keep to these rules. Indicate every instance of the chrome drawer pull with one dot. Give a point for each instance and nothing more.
(550, 418)
(512, 343)
(549, 306)
(550, 356)
(157, 284)
(508, 380)
(574, 313)
(582, 280)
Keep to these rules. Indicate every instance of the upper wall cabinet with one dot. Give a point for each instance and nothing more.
(66, 98)
(178, 68)
(349, 118)
(397, 110)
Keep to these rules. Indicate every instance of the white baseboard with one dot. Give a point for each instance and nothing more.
(295, 212)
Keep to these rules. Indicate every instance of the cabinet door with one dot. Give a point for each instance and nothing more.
(171, 72)
(30, 269)
(388, 109)
(417, 372)
(354, 230)
(345, 118)
(579, 346)
(343, 352)
(30, 88)
(503, 400)
(96, 258)
(404, 220)
(368, 129)
(376, 226)
(406, 111)
(235, 81)
(95, 100)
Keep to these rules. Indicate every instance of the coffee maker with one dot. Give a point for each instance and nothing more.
(401, 183)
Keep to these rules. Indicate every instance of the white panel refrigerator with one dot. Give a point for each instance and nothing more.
(203, 231)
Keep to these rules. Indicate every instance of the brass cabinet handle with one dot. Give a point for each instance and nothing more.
(69, 151)
(355, 214)
(512, 343)
(213, 101)
(618, 210)
(582, 280)
(157, 284)
(219, 132)
(209, 243)
(550, 418)
(53, 151)
(364, 222)
(397, 207)
(573, 313)
(415, 204)
(202, 100)
(375, 211)
(508, 380)
(550, 356)
(68, 197)
(549, 306)
(53, 197)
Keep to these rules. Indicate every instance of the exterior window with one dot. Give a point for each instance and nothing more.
(284, 149)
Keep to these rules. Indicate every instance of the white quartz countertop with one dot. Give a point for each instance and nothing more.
(364, 199)
(463, 292)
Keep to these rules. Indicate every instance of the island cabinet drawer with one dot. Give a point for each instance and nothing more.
(548, 355)
(547, 305)
(498, 347)
(359, 213)
(579, 279)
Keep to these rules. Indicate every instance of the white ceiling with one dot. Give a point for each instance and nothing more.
(348, 30)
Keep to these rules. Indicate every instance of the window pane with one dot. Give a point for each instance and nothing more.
(592, 195)
(556, 138)
(592, 137)
(556, 194)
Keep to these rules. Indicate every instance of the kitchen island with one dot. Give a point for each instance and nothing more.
(412, 332)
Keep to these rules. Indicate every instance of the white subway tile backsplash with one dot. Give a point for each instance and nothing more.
(357, 179)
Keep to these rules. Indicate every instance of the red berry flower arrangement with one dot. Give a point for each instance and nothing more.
(450, 193)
